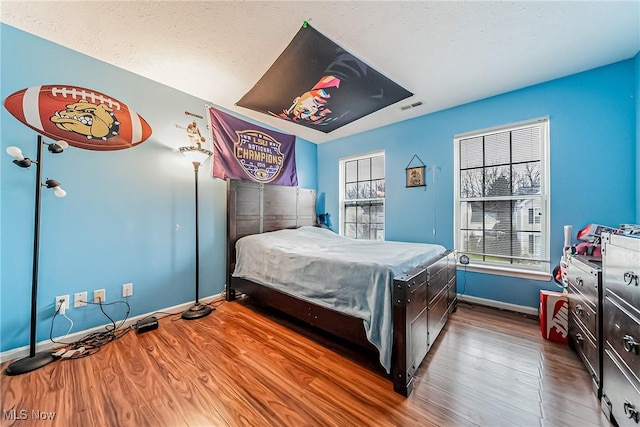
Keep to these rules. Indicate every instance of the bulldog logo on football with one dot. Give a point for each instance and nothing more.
(90, 120)
(85, 118)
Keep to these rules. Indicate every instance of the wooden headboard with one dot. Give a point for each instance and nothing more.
(254, 208)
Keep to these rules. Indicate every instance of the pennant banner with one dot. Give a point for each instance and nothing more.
(317, 84)
(248, 152)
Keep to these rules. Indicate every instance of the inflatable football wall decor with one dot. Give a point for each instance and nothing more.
(85, 118)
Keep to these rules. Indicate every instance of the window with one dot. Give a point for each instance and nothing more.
(534, 216)
(362, 192)
(501, 201)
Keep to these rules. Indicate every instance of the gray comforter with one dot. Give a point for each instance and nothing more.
(352, 276)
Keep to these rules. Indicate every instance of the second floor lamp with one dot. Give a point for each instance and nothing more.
(196, 155)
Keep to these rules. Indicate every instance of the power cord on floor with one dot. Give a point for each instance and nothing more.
(93, 342)
(216, 305)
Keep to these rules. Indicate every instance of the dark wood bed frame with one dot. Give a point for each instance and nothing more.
(423, 297)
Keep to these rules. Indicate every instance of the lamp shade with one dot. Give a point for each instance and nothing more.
(58, 146)
(195, 155)
(15, 152)
(59, 192)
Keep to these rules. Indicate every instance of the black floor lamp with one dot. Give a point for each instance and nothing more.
(35, 360)
(196, 155)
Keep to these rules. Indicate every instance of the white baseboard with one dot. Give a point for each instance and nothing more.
(20, 352)
(498, 304)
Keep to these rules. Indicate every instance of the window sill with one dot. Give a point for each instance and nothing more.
(504, 271)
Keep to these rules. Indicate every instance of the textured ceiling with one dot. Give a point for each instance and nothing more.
(447, 53)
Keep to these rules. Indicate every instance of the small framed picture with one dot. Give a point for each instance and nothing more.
(415, 177)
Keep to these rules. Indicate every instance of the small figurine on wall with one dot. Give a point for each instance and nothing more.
(194, 135)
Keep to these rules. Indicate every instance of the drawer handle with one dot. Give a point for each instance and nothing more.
(579, 310)
(630, 344)
(579, 281)
(630, 277)
(630, 411)
(579, 338)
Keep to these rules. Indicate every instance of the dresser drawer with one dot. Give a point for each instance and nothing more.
(622, 283)
(621, 266)
(622, 332)
(452, 289)
(419, 341)
(451, 266)
(584, 278)
(435, 265)
(438, 315)
(622, 390)
(580, 309)
(583, 343)
(436, 283)
(416, 299)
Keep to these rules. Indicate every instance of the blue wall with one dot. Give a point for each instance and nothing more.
(128, 215)
(637, 65)
(593, 164)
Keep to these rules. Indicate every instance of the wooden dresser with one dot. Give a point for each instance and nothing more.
(621, 320)
(584, 275)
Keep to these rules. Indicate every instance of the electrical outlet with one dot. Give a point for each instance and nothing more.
(99, 296)
(127, 290)
(63, 303)
(80, 299)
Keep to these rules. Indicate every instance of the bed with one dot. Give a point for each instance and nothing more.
(398, 303)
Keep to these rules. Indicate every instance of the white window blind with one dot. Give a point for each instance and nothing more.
(501, 203)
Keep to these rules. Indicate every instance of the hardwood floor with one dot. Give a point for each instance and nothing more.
(243, 367)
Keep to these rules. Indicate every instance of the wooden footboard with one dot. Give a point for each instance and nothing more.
(423, 298)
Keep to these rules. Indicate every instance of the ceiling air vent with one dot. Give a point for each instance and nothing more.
(408, 106)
